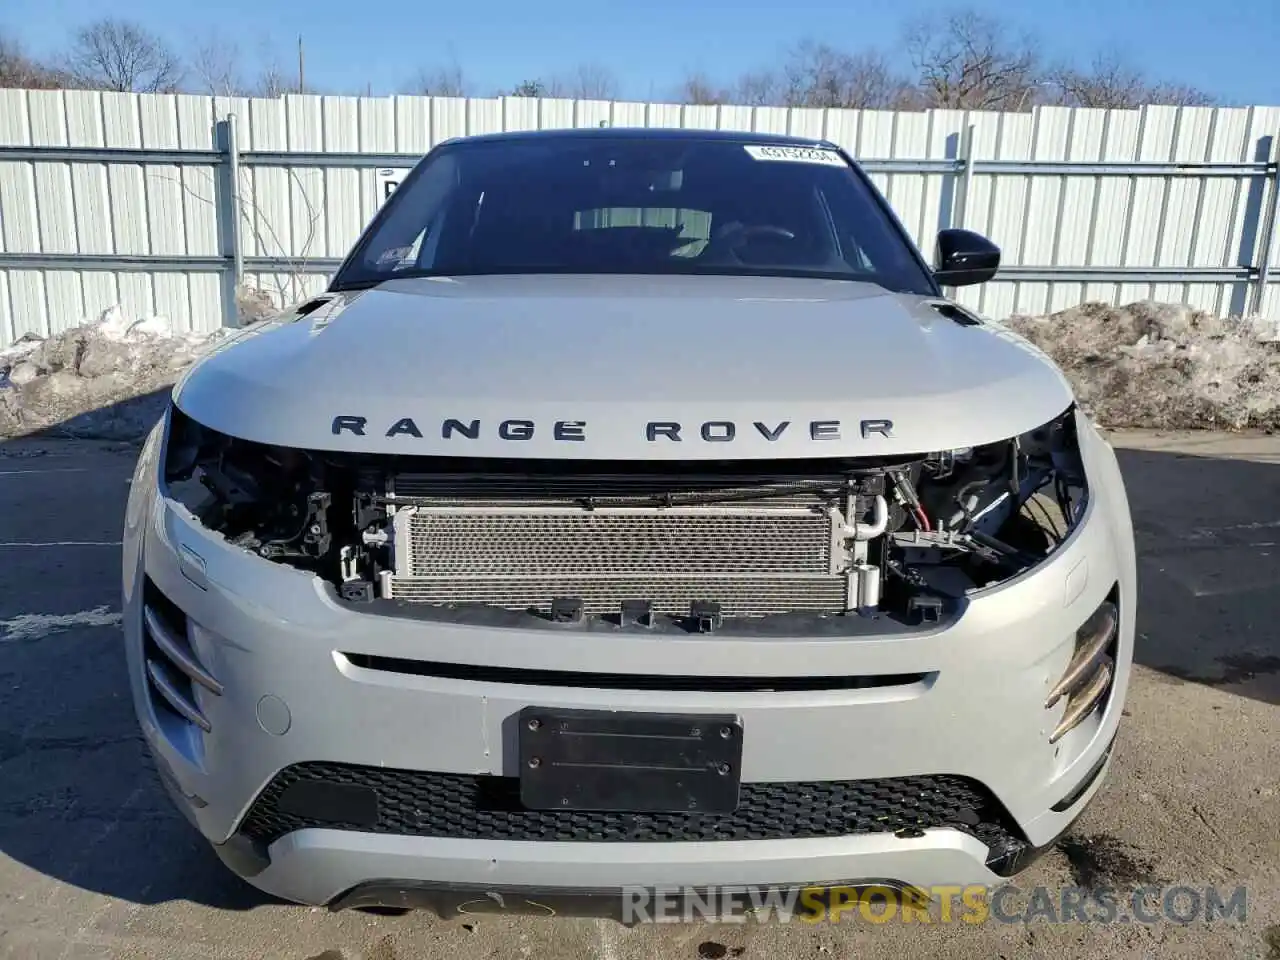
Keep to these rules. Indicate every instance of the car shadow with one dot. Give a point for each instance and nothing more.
(1208, 539)
(81, 803)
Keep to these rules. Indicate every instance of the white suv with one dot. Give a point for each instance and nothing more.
(633, 510)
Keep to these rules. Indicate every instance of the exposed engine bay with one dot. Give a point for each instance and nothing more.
(637, 542)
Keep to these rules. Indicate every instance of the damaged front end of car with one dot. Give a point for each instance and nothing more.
(684, 544)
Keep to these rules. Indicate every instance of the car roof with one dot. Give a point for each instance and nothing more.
(645, 133)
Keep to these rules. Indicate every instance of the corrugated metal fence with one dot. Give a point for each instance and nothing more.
(119, 198)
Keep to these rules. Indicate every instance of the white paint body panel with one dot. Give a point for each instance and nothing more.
(615, 353)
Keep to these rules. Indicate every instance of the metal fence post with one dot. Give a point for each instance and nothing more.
(1267, 236)
(963, 168)
(965, 174)
(233, 164)
(226, 211)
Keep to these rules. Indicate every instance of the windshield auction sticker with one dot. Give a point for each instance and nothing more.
(820, 155)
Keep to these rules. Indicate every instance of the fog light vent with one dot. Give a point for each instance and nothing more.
(172, 669)
(1087, 679)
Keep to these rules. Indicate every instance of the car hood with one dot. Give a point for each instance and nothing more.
(589, 367)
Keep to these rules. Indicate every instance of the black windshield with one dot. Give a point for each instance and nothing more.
(635, 204)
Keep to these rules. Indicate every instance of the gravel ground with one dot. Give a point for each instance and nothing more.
(94, 863)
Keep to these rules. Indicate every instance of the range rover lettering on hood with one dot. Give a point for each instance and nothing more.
(622, 368)
(710, 431)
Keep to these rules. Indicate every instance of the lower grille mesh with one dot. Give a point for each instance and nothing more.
(416, 803)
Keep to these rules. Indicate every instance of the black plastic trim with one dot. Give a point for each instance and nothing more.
(627, 681)
(886, 625)
(643, 762)
(464, 806)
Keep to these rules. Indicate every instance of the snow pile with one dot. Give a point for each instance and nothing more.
(107, 380)
(254, 304)
(1164, 365)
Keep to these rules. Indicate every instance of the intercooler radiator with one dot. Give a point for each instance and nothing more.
(517, 542)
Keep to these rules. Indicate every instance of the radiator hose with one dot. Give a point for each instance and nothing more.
(867, 531)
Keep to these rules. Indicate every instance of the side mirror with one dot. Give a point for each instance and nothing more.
(964, 258)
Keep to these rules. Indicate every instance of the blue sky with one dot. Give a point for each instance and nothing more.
(1228, 47)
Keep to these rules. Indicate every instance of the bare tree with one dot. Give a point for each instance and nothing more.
(1111, 83)
(119, 55)
(813, 74)
(274, 80)
(219, 68)
(1179, 95)
(291, 284)
(819, 75)
(965, 60)
(759, 88)
(698, 88)
(962, 61)
(589, 81)
(439, 82)
(17, 69)
(593, 81)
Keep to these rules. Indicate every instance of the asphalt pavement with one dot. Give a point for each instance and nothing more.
(94, 862)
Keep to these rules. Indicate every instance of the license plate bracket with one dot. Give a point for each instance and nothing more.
(629, 762)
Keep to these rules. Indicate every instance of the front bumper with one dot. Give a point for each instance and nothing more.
(289, 661)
